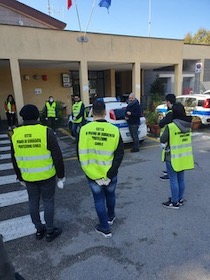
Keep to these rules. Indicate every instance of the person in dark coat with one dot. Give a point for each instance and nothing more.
(132, 116)
(37, 160)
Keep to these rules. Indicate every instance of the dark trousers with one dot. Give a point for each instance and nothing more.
(51, 122)
(11, 118)
(134, 135)
(45, 190)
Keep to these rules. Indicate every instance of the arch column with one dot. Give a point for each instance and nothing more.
(17, 86)
(136, 79)
(84, 86)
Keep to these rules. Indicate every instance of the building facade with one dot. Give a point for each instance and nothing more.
(38, 58)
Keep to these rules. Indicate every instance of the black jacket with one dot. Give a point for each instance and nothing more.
(135, 109)
(52, 146)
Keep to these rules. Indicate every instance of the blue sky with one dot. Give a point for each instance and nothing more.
(169, 18)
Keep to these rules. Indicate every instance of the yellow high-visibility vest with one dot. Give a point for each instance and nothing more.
(97, 144)
(180, 148)
(51, 109)
(32, 156)
(76, 110)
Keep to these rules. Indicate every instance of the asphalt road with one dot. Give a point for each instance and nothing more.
(149, 242)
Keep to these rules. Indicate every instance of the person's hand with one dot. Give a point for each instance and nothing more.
(74, 118)
(163, 145)
(100, 182)
(60, 182)
(107, 181)
(128, 113)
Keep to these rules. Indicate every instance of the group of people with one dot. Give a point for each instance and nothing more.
(50, 112)
(37, 160)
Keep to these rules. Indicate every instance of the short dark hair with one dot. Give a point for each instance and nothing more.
(99, 107)
(171, 98)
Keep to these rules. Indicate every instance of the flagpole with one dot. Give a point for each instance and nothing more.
(94, 3)
(150, 17)
(78, 16)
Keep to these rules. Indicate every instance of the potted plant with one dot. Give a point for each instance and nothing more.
(155, 99)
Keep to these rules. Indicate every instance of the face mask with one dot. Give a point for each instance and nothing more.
(51, 99)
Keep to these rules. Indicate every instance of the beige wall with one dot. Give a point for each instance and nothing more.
(24, 43)
(53, 86)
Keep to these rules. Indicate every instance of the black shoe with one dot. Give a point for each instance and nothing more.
(134, 150)
(51, 236)
(105, 232)
(165, 172)
(164, 178)
(181, 201)
(40, 233)
(111, 221)
(171, 205)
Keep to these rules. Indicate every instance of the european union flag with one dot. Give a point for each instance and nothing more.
(105, 4)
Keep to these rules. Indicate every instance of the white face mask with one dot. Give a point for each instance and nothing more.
(51, 99)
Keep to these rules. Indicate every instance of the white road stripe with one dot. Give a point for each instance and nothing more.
(3, 149)
(6, 166)
(4, 136)
(5, 156)
(11, 198)
(4, 142)
(18, 227)
(5, 180)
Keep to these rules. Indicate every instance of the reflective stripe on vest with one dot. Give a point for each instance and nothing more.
(103, 139)
(30, 149)
(51, 112)
(76, 110)
(181, 148)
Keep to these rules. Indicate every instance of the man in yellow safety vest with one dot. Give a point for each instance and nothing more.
(51, 112)
(101, 151)
(37, 160)
(177, 153)
(78, 109)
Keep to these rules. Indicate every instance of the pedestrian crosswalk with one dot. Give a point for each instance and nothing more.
(17, 226)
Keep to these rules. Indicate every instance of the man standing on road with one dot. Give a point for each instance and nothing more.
(101, 152)
(51, 112)
(78, 109)
(170, 101)
(178, 155)
(37, 159)
(132, 116)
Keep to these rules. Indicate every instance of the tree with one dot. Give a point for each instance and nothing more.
(201, 37)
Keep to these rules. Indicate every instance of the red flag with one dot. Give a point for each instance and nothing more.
(69, 3)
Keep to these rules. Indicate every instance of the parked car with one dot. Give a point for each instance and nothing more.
(195, 105)
(115, 114)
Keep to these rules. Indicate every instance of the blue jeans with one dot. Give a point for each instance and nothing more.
(177, 182)
(75, 130)
(45, 190)
(104, 198)
(134, 135)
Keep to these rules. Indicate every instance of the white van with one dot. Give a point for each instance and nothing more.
(195, 105)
